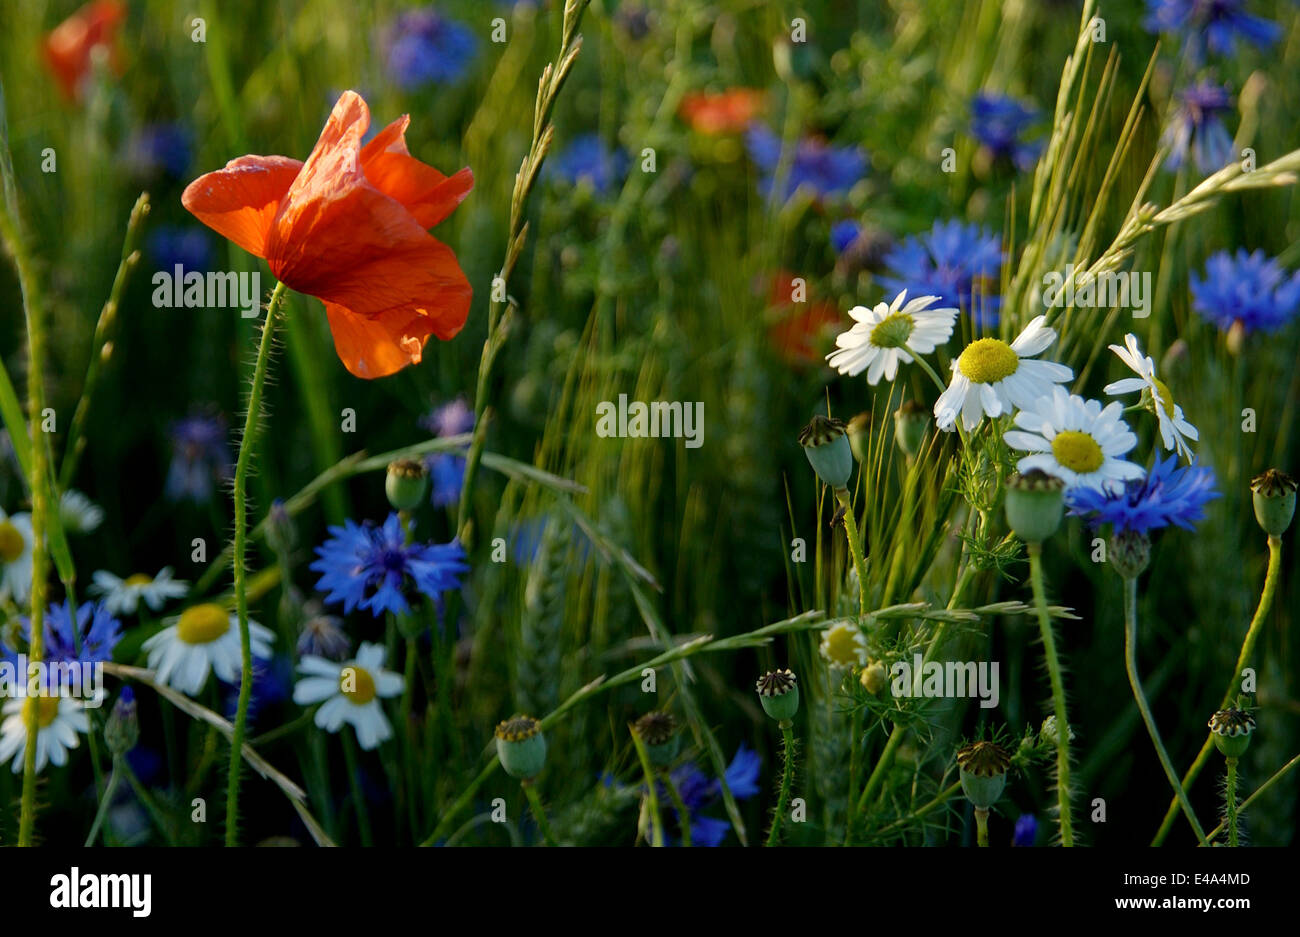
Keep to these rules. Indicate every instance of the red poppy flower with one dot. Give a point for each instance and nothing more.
(69, 46)
(349, 227)
(722, 112)
(798, 330)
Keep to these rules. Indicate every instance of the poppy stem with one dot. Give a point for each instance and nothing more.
(246, 443)
(1063, 817)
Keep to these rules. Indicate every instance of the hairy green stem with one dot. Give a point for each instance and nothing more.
(246, 444)
(539, 812)
(1230, 797)
(787, 777)
(1260, 791)
(1058, 695)
(1271, 579)
(1130, 662)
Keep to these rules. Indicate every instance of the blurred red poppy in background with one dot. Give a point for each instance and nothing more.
(721, 112)
(70, 46)
(798, 331)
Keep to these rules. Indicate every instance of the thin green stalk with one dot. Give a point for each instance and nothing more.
(354, 784)
(939, 800)
(1230, 796)
(246, 444)
(1271, 579)
(1130, 662)
(105, 801)
(982, 826)
(1277, 776)
(787, 777)
(651, 801)
(1058, 695)
(683, 814)
(882, 764)
(539, 812)
(928, 369)
(855, 549)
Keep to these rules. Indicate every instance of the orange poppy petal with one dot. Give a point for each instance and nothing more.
(371, 348)
(240, 202)
(427, 193)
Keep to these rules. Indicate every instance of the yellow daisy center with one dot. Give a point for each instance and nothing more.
(841, 646)
(1166, 397)
(47, 708)
(988, 361)
(12, 543)
(203, 624)
(893, 331)
(356, 684)
(139, 579)
(1077, 451)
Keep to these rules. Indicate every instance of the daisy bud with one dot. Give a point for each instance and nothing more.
(827, 447)
(658, 731)
(406, 484)
(911, 423)
(521, 747)
(1130, 552)
(779, 694)
(874, 677)
(122, 729)
(1274, 498)
(1035, 504)
(983, 768)
(1048, 731)
(1232, 729)
(859, 433)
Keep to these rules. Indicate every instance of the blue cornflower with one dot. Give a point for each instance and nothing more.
(189, 247)
(826, 169)
(588, 160)
(157, 148)
(1167, 495)
(200, 457)
(998, 121)
(698, 791)
(843, 234)
(1215, 25)
(1026, 830)
(953, 261)
(446, 476)
(96, 629)
(1197, 125)
(450, 419)
(1251, 289)
(423, 48)
(373, 567)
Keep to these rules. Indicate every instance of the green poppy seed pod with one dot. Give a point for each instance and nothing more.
(827, 447)
(122, 729)
(1274, 495)
(983, 769)
(778, 691)
(1232, 729)
(658, 732)
(874, 677)
(406, 484)
(1130, 552)
(521, 747)
(911, 423)
(1035, 504)
(859, 433)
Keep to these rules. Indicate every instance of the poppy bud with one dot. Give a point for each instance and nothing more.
(983, 769)
(658, 730)
(1273, 493)
(859, 433)
(911, 422)
(827, 447)
(521, 747)
(122, 730)
(406, 484)
(1035, 503)
(1130, 552)
(779, 694)
(1232, 729)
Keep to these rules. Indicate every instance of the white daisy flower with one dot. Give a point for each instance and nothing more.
(991, 378)
(1075, 440)
(15, 556)
(58, 720)
(351, 692)
(1174, 430)
(122, 596)
(204, 638)
(890, 333)
(844, 645)
(79, 514)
